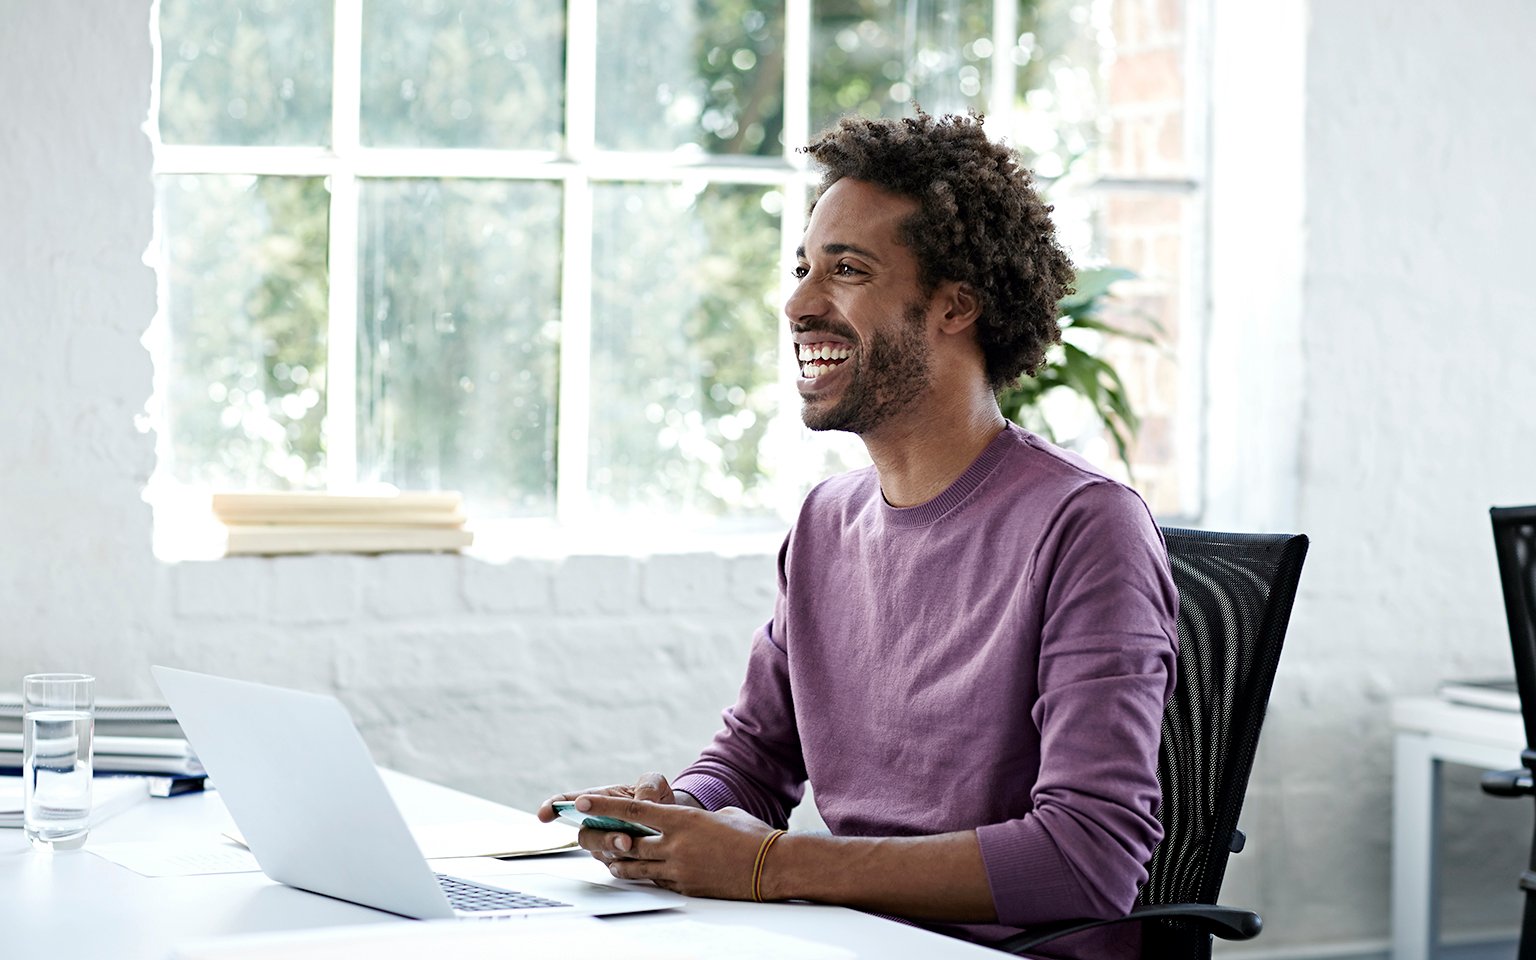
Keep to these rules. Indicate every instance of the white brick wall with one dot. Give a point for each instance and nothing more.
(309, 591)
(1372, 362)
(1378, 399)
(471, 672)
(516, 586)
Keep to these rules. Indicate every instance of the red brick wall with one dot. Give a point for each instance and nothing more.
(1147, 231)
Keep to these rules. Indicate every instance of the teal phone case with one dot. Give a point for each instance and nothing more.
(567, 811)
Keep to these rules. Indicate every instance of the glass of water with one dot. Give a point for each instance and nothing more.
(58, 713)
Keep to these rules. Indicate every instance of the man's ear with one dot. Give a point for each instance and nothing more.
(962, 306)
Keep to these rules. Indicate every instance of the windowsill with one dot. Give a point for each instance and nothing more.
(498, 541)
(191, 536)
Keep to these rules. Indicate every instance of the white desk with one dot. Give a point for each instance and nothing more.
(1426, 732)
(78, 906)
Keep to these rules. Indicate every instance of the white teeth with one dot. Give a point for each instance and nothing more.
(811, 371)
(824, 352)
(810, 355)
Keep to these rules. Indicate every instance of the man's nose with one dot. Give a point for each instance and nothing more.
(805, 302)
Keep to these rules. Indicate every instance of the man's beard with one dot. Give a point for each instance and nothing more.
(892, 374)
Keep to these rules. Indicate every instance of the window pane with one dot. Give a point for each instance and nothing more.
(458, 314)
(246, 305)
(1059, 58)
(253, 73)
(1146, 233)
(1101, 88)
(1144, 103)
(470, 73)
(671, 73)
(872, 57)
(684, 347)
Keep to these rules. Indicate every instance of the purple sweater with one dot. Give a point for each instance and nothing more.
(995, 659)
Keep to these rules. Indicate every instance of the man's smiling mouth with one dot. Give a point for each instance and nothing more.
(819, 358)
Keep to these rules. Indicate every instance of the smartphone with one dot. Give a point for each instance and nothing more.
(566, 810)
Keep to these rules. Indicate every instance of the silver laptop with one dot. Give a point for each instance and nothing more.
(300, 784)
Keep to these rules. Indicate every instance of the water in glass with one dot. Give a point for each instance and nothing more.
(56, 777)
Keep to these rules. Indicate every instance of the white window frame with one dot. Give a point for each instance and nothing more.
(577, 167)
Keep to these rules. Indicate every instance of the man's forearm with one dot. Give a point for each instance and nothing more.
(686, 799)
(930, 878)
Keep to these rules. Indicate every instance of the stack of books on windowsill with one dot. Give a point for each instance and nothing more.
(132, 739)
(278, 523)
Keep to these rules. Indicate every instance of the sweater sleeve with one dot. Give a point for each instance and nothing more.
(755, 761)
(1108, 642)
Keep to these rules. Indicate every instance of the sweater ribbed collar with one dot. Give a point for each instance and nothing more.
(955, 494)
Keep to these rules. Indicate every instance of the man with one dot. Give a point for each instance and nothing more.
(974, 638)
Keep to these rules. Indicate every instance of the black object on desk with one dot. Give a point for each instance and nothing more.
(160, 785)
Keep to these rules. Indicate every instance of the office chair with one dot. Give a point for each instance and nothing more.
(1235, 596)
(1514, 541)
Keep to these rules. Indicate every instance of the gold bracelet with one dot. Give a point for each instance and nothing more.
(757, 868)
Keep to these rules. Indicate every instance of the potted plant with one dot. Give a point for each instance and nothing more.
(1069, 365)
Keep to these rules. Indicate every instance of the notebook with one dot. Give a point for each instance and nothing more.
(300, 784)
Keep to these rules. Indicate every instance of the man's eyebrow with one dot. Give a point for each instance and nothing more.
(836, 248)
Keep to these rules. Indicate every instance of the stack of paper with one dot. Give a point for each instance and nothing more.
(131, 736)
(275, 523)
(118, 718)
(158, 755)
(1494, 693)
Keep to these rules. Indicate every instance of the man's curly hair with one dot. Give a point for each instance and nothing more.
(980, 222)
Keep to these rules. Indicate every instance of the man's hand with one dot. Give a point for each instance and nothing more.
(704, 854)
(699, 853)
(650, 786)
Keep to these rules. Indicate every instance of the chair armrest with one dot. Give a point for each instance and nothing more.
(1228, 923)
(1509, 783)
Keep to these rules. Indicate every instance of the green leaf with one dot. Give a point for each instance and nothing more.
(1088, 322)
(1091, 284)
(1071, 367)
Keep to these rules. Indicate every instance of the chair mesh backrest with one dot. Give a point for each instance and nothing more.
(1235, 596)
(1514, 540)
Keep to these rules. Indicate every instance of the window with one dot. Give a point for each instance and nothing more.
(1112, 105)
(537, 254)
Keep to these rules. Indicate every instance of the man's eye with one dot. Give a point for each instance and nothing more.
(847, 270)
(800, 271)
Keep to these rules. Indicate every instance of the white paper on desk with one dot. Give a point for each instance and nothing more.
(154, 859)
(482, 838)
(10, 801)
(492, 838)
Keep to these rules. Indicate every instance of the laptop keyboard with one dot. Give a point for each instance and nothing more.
(475, 897)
